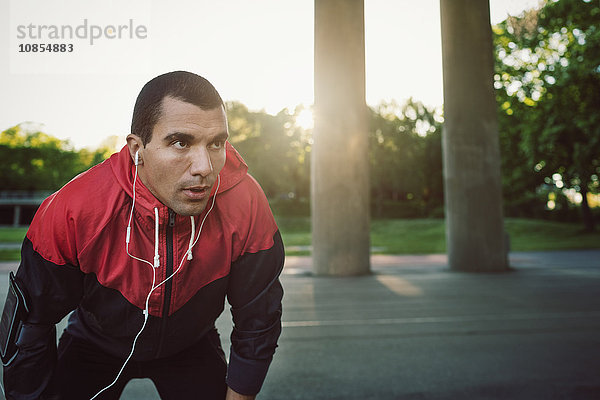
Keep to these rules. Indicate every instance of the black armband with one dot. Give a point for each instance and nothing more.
(14, 315)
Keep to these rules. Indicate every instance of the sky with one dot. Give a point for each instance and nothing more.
(258, 52)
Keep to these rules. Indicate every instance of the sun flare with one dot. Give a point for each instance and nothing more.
(305, 119)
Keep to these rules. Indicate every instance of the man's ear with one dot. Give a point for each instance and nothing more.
(134, 143)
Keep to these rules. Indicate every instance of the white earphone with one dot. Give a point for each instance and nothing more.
(137, 157)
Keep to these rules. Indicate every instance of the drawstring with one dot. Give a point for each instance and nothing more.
(195, 240)
(206, 215)
(156, 242)
(193, 237)
(189, 252)
(156, 256)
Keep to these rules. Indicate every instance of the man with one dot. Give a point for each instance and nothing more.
(144, 248)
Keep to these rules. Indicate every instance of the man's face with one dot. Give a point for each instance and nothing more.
(181, 162)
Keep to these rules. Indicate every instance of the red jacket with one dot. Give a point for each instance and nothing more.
(74, 258)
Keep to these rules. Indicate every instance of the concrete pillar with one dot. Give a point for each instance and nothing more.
(340, 163)
(473, 192)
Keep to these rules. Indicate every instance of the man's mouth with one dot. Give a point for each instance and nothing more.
(199, 192)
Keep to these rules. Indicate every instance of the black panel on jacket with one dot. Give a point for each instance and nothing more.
(52, 290)
(255, 295)
(111, 322)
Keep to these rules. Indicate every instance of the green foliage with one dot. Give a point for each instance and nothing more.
(406, 160)
(276, 150)
(548, 91)
(33, 160)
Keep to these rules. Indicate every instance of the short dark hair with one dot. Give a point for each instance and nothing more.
(180, 85)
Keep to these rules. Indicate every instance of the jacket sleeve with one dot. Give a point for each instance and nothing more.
(255, 295)
(51, 291)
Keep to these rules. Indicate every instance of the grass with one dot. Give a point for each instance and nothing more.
(407, 236)
(295, 232)
(535, 235)
(10, 255)
(402, 236)
(12, 235)
(426, 236)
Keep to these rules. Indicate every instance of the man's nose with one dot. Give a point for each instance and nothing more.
(200, 162)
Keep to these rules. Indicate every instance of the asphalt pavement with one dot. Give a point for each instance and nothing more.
(416, 330)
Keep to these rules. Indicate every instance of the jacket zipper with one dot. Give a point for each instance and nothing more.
(168, 284)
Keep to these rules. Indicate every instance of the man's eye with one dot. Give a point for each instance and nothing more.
(179, 144)
(217, 145)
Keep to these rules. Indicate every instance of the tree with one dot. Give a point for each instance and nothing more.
(33, 160)
(275, 148)
(406, 158)
(548, 81)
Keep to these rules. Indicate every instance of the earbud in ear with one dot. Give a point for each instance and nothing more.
(137, 157)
